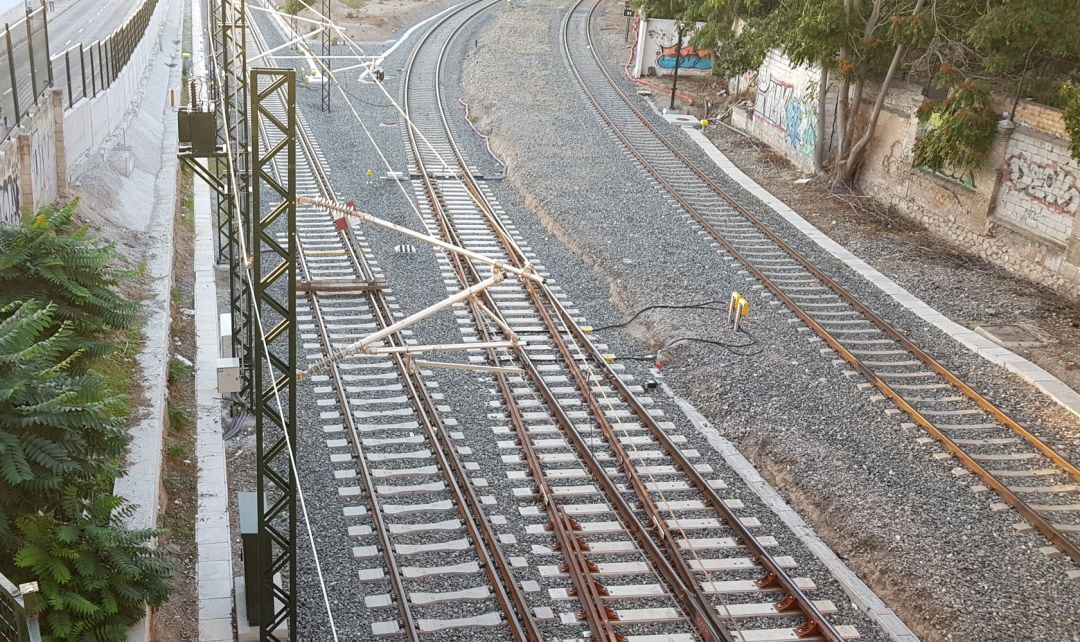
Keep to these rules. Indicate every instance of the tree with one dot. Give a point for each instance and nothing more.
(869, 43)
(57, 428)
(51, 258)
(293, 7)
(96, 578)
(1018, 35)
(964, 126)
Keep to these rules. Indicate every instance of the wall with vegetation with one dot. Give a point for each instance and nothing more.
(1018, 211)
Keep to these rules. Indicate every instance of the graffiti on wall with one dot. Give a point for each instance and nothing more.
(777, 105)
(1051, 185)
(689, 58)
(9, 200)
(43, 162)
(664, 43)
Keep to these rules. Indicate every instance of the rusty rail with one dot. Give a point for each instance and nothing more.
(1046, 528)
(676, 573)
(507, 591)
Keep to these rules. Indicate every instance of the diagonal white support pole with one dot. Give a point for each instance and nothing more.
(509, 370)
(442, 347)
(361, 346)
(521, 273)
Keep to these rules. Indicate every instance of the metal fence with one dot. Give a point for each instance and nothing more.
(86, 69)
(24, 54)
(18, 613)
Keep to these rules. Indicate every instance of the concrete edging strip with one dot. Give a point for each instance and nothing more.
(860, 594)
(214, 574)
(1047, 383)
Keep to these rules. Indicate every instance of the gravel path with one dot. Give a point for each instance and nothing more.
(905, 521)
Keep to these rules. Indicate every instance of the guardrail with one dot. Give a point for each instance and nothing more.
(24, 54)
(83, 71)
(18, 612)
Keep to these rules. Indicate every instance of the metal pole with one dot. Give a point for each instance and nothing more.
(30, 49)
(11, 68)
(324, 71)
(678, 56)
(93, 73)
(274, 281)
(82, 68)
(67, 70)
(48, 51)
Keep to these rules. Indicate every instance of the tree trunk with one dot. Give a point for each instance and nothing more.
(819, 142)
(847, 166)
(842, 126)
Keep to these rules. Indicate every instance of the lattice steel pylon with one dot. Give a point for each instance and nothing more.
(232, 31)
(273, 214)
(325, 71)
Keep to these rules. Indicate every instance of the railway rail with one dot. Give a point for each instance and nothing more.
(649, 545)
(1030, 476)
(417, 494)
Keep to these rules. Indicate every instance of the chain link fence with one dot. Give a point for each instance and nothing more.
(18, 616)
(84, 70)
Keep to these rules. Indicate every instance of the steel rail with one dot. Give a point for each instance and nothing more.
(775, 576)
(676, 572)
(1034, 518)
(508, 593)
(576, 565)
(598, 616)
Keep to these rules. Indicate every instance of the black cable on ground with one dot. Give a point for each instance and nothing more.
(733, 348)
(704, 305)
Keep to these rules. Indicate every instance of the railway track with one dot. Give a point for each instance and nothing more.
(425, 550)
(1029, 475)
(641, 537)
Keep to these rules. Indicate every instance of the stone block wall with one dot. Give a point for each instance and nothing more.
(1019, 211)
(1040, 187)
(33, 170)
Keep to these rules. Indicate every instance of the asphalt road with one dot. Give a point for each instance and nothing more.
(75, 21)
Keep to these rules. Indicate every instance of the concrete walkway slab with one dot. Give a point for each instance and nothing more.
(213, 537)
(1047, 383)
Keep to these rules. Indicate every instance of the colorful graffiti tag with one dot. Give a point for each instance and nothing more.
(777, 106)
(689, 58)
(663, 41)
(1051, 185)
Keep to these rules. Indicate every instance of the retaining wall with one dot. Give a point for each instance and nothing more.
(785, 110)
(1018, 212)
(655, 54)
(91, 121)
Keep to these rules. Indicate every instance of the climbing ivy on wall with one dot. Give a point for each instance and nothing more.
(961, 128)
(1070, 94)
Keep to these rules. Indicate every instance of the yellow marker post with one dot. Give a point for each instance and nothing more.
(738, 308)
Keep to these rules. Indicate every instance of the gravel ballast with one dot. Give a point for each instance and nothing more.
(907, 524)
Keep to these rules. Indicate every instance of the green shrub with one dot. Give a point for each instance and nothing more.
(52, 259)
(95, 577)
(57, 427)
